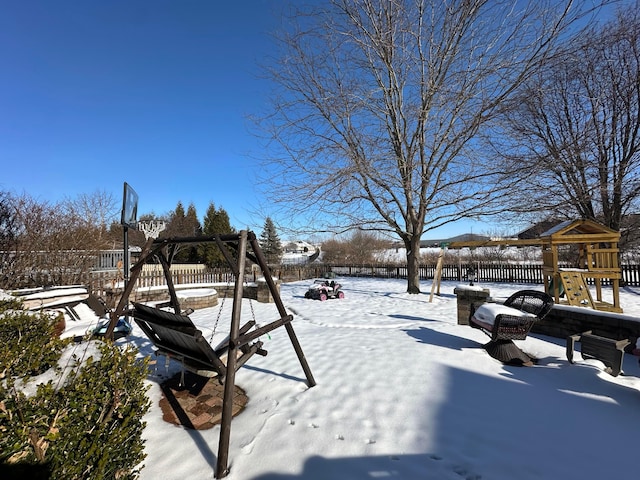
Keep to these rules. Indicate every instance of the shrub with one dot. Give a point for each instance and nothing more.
(86, 424)
(28, 345)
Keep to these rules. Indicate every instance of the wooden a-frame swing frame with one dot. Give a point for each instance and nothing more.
(163, 250)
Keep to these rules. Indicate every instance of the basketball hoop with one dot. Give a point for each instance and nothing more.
(151, 229)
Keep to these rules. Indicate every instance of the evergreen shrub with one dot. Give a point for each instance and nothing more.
(86, 424)
(28, 345)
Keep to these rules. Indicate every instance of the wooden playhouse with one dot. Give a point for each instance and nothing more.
(598, 264)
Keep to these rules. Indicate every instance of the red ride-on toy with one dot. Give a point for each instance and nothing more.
(324, 289)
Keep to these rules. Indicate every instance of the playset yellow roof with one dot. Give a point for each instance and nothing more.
(580, 231)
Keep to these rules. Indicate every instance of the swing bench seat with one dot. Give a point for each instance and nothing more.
(175, 336)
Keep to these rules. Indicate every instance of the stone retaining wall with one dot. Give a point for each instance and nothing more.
(255, 291)
(258, 291)
(562, 321)
(196, 298)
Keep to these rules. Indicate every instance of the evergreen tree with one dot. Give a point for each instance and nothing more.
(192, 224)
(183, 224)
(191, 228)
(215, 221)
(270, 242)
(175, 223)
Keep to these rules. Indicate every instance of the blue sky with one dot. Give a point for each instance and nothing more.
(154, 93)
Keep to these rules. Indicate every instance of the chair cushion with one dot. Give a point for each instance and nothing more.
(487, 312)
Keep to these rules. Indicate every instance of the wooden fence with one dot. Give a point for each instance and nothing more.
(101, 281)
(497, 273)
(486, 272)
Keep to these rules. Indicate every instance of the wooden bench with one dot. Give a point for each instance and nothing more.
(607, 350)
(175, 336)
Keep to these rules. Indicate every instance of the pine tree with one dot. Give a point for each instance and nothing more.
(183, 224)
(270, 242)
(192, 224)
(176, 222)
(215, 221)
(192, 228)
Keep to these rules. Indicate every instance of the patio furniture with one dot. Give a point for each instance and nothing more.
(510, 321)
(607, 350)
(175, 336)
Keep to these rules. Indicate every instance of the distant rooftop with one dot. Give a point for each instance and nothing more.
(465, 237)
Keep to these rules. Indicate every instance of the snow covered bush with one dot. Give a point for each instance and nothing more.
(67, 410)
(28, 345)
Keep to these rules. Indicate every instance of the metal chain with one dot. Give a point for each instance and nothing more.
(215, 325)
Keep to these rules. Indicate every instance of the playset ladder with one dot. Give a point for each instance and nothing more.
(576, 289)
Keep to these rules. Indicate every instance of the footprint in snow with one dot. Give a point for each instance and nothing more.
(463, 472)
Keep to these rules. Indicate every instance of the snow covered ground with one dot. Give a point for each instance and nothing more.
(403, 392)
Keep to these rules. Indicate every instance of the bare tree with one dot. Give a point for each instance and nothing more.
(96, 210)
(576, 128)
(380, 102)
(8, 232)
(54, 243)
(360, 248)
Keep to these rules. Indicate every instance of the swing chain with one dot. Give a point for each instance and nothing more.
(253, 316)
(215, 325)
(253, 313)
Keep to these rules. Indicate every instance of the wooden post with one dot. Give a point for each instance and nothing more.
(124, 299)
(166, 268)
(222, 469)
(281, 309)
(437, 275)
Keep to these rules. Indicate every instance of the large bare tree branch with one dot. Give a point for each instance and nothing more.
(379, 105)
(578, 127)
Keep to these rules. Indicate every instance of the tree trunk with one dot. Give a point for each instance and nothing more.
(412, 244)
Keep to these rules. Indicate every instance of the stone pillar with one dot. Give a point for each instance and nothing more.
(264, 294)
(467, 295)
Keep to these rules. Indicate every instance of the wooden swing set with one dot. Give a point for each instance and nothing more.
(175, 336)
(598, 262)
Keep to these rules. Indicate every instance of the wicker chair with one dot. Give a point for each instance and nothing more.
(510, 321)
